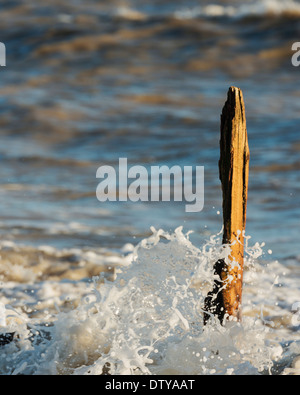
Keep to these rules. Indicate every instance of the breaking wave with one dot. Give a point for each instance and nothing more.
(147, 317)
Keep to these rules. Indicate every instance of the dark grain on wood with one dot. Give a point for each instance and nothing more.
(6, 338)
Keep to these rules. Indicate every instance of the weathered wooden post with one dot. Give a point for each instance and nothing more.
(226, 296)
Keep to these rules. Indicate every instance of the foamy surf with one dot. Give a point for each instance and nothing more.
(258, 9)
(236, 10)
(148, 317)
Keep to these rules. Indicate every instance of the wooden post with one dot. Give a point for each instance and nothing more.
(226, 297)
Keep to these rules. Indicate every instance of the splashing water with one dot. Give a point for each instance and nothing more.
(149, 320)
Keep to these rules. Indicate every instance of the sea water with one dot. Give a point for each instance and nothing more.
(148, 317)
(119, 287)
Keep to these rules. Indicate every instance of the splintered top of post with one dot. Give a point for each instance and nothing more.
(235, 107)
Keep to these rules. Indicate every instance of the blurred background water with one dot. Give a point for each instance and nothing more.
(88, 82)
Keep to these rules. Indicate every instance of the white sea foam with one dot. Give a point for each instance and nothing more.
(149, 319)
(257, 8)
(2, 316)
(129, 14)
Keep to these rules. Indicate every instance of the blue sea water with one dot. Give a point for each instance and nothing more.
(89, 82)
